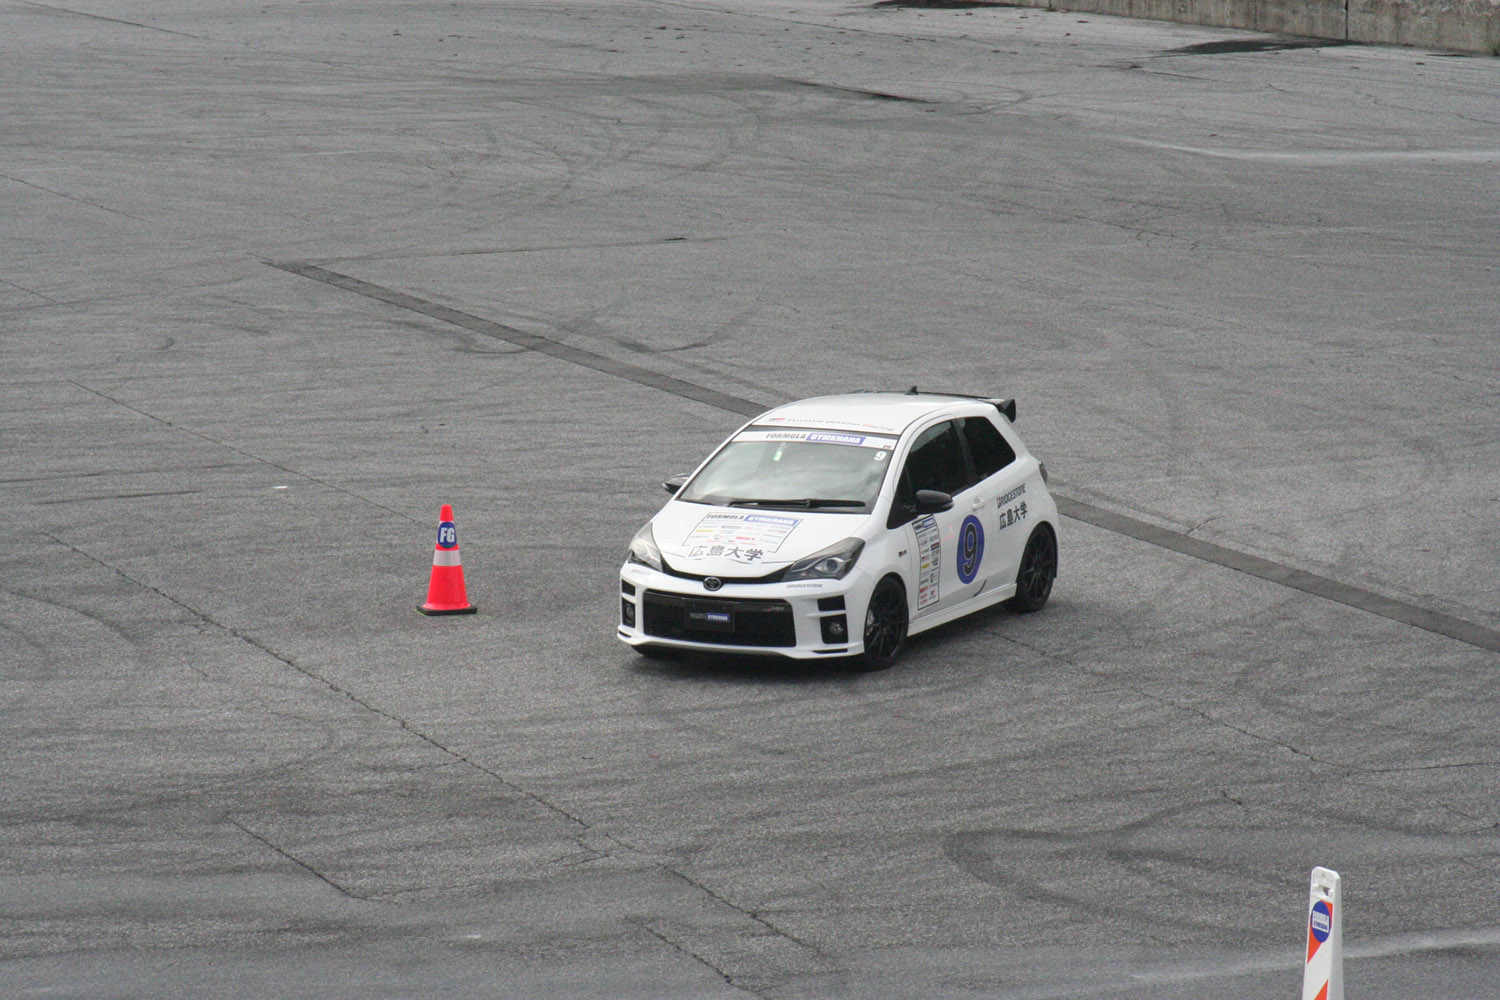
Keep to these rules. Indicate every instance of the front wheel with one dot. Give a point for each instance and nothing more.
(1037, 571)
(885, 625)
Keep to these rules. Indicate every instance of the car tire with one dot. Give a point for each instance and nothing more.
(886, 620)
(1037, 571)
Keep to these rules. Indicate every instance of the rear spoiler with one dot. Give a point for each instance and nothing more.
(1005, 404)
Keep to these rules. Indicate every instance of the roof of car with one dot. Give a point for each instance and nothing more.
(879, 412)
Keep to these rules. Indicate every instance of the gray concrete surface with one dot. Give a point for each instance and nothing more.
(1471, 26)
(1246, 299)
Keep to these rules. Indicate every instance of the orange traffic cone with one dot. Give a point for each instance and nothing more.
(445, 592)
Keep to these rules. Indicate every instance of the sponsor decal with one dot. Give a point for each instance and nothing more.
(1018, 491)
(1012, 515)
(447, 536)
(852, 439)
(970, 548)
(1320, 923)
(745, 538)
(929, 560)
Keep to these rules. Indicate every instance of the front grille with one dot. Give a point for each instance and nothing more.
(724, 621)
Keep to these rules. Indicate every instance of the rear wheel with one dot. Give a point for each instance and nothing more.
(1037, 571)
(885, 625)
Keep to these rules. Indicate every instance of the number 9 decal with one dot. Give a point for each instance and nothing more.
(970, 548)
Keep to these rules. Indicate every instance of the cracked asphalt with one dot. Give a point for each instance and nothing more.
(277, 280)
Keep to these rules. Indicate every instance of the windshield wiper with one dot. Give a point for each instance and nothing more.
(808, 502)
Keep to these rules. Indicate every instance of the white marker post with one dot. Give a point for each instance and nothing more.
(1323, 975)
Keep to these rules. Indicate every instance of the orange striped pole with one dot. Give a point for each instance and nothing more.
(1323, 972)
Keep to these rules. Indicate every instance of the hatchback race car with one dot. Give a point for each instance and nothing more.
(837, 526)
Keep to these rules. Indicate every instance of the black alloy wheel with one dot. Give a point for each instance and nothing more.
(885, 625)
(1037, 571)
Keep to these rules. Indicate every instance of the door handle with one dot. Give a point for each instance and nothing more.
(979, 502)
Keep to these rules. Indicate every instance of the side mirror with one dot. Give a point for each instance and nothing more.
(677, 482)
(933, 502)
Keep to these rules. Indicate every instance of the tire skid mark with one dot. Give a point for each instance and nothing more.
(1462, 630)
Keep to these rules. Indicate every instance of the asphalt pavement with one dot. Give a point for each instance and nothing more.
(278, 280)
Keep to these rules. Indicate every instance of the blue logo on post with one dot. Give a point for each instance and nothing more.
(970, 548)
(1321, 921)
(447, 536)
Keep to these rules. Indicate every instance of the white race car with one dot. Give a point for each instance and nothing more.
(838, 526)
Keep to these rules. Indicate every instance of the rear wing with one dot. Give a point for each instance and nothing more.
(1005, 404)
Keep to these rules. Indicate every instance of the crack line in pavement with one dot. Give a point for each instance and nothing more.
(70, 197)
(290, 856)
(330, 685)
(228, 447)
(583, 826)
(683, 949)
(1462, 630)
(112, 20)
(740, 909)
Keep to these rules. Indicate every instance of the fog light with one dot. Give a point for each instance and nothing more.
(835, 629)
(627, 612)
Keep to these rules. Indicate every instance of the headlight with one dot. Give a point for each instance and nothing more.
(643, 549)
(832, 563)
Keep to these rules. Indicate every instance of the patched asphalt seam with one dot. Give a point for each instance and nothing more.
(1459, 629)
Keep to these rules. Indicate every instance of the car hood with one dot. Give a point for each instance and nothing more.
(739, 541)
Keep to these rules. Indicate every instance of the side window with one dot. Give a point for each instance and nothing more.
(937, 461)
(987, 447)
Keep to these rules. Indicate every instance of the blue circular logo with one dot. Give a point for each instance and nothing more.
(970, 548)
(1320, 923)
(447, 536)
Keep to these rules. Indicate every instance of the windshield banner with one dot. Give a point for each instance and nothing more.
(821, 437)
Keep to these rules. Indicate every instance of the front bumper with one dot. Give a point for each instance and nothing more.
(803, 620)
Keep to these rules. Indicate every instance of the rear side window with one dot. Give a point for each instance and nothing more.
(986, 446)
(937, 461)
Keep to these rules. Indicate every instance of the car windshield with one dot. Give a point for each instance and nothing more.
(795, 469)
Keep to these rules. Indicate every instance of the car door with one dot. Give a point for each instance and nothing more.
(946, 548)
(999, 501)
